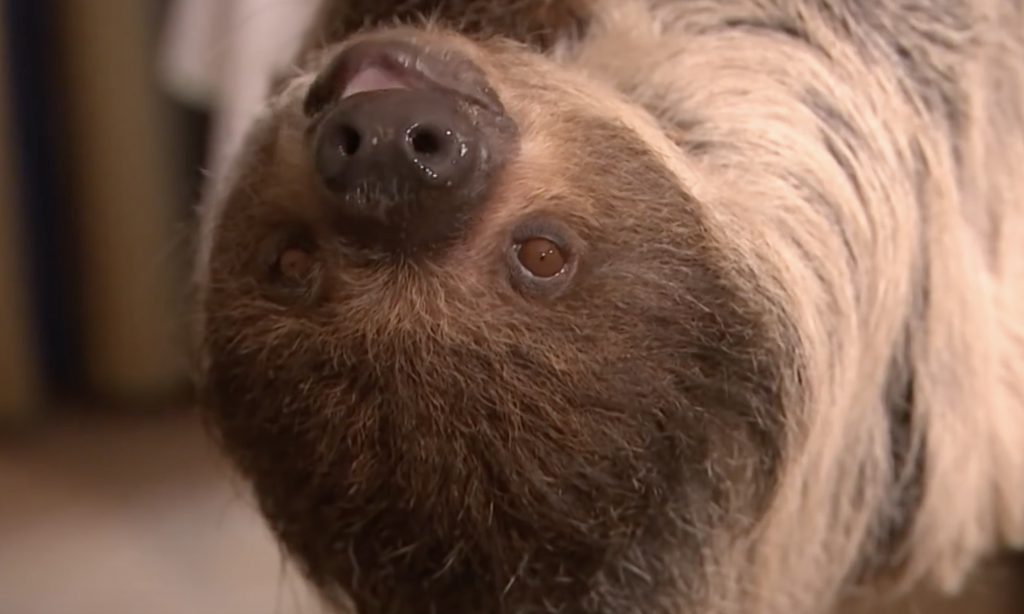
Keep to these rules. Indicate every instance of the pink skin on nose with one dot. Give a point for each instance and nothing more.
(372, 79)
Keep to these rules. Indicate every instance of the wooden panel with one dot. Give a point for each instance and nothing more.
(127, 199)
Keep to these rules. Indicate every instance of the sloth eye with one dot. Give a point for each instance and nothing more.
(294, 263)
(541, 257)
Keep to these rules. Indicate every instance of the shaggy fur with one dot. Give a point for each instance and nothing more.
(538, 23)
(788, 364)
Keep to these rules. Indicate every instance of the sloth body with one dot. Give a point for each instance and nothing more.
(781, 359)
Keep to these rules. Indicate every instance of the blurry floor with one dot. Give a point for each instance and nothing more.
(133, 516)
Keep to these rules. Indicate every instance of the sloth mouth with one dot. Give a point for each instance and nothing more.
(372, 79)
(385, 64)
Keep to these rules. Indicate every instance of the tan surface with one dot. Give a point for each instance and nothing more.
(133, 518)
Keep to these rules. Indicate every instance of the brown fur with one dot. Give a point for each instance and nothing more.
(788, 364)
(539, 23)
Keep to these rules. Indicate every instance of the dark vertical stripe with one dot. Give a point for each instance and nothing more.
(45, 211)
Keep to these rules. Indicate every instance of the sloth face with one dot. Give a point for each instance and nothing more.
(467, 332)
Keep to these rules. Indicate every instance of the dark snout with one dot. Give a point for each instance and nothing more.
(407, 143)
(415, 140)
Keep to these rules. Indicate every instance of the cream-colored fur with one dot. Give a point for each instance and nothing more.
(932, 257)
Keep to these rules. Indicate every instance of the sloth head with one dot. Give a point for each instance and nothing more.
(474, 342)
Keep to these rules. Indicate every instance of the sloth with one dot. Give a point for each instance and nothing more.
(627, 306)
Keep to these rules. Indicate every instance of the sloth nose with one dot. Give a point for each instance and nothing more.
(399, 144)
(397, 150)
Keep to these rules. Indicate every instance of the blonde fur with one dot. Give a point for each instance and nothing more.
(853, 275)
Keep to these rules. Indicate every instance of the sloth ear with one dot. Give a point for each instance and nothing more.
(537, 23)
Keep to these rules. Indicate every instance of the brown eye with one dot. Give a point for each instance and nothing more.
(295, 263)
(541, 257)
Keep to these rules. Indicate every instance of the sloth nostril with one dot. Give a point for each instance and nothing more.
(349, 140)
(426, 140)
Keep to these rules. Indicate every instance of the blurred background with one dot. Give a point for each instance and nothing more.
(113, 113)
